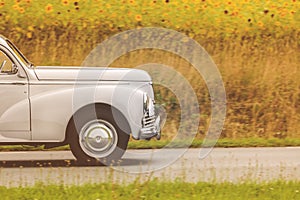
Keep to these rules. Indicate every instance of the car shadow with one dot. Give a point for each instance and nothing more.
(69, 163)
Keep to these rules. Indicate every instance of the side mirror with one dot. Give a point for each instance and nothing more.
(14, 68)
(21, 73)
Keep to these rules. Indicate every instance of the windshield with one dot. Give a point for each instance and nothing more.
(18, 53)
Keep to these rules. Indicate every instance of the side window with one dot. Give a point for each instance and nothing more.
(6, 65)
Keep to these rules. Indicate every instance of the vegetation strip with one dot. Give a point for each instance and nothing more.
(154, 144)
(158, 190)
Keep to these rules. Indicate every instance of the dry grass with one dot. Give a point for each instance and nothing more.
(261, 78)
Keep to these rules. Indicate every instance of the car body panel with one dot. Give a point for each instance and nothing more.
(14, 107)
(54, 105)
(90, 74)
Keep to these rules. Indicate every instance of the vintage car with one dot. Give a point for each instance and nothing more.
(49, 106)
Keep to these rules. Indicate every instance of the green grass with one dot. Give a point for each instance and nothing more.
(154, 144)
(158, 190)
(225, 143)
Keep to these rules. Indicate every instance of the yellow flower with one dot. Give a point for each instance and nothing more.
(187, 7)
(217, 5)
(49, 8)
(16, 7)
(65, 2)
(260, 24)
(21, 10)
(138, 18)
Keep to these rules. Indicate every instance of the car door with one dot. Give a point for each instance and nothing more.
(14, 101)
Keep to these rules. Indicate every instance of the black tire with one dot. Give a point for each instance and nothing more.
(111, 122)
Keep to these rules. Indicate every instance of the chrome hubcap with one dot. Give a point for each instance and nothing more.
(98, 138)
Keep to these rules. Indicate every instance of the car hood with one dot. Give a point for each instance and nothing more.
(90, 74)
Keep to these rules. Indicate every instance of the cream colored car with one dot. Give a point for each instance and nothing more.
(93, 109)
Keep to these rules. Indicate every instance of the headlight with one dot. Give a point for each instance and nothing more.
(146, 103)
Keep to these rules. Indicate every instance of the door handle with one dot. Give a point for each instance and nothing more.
(18, 83)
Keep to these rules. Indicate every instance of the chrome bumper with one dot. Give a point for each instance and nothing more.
(151, 127)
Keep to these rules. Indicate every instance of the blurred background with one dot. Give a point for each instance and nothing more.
(255, 44)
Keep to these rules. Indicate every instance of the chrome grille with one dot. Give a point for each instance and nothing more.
(148, 121)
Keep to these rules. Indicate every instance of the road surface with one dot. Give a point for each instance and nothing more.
(222, 164)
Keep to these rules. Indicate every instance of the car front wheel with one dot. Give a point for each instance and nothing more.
(98, 138)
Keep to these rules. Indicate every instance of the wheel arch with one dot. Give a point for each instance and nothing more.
(121, 119)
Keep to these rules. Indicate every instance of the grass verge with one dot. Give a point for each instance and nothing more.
(224, 143)
(154, 144)
(158, 190)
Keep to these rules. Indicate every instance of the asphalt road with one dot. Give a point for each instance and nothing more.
(222, 164)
